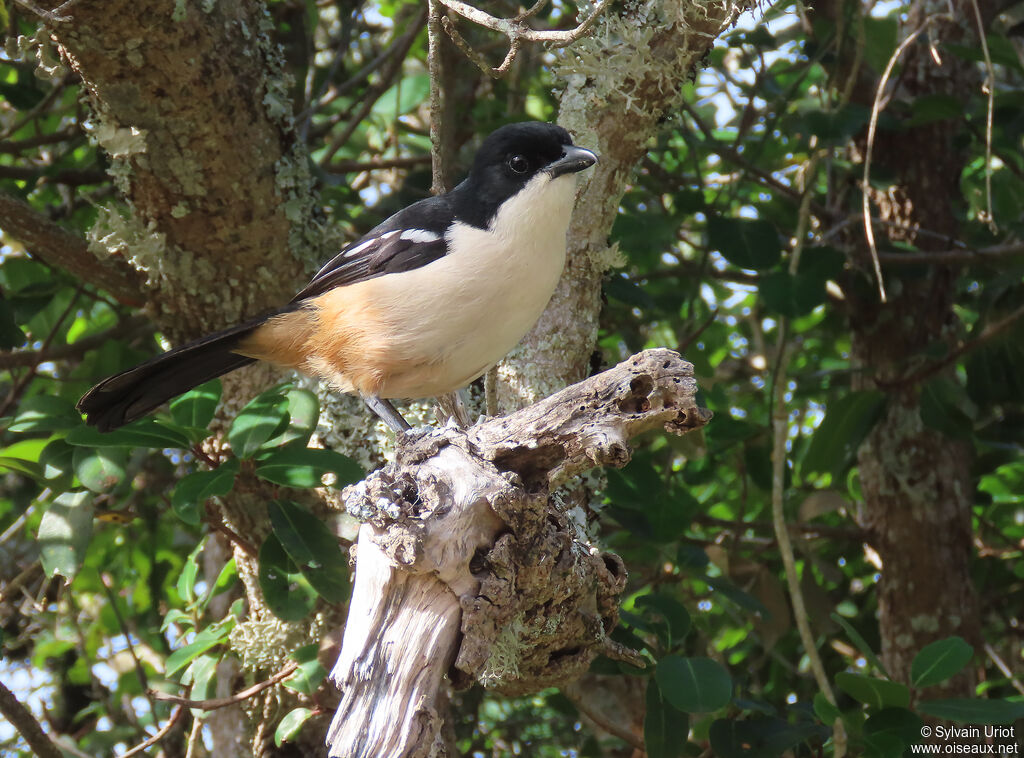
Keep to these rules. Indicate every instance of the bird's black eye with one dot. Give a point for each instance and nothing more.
(519, 164)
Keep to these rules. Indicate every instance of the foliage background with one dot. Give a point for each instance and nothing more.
(896, 428)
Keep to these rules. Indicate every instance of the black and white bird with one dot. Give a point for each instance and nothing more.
(420, 306)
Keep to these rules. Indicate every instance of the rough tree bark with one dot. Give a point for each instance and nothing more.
(916, 481)
(465, 566)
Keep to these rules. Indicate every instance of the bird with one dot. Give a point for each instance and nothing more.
(420, 306)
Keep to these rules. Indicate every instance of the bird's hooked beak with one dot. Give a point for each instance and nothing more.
(573, 159)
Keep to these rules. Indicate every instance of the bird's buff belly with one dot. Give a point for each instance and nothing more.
(398, 339)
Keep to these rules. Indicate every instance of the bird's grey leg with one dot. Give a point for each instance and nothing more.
(451, 405)
(387, 413)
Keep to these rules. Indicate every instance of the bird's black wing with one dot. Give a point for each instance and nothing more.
(411, 238)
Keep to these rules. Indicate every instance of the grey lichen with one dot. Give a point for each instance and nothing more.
(263, 644)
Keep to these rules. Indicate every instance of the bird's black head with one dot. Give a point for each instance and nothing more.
(510, 158)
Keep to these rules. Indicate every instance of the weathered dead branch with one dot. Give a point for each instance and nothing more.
(466, 566)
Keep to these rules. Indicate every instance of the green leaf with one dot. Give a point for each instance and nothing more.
(402, 97)
(22, 466)
(884, 745)
(876, 693)
(315, 551)
(295, 466)
(942, 406)
(201, 678)
(694, 685)
(146, 433)
(196, 488)
(973, 710)
(65, 532)
(11, 335)
(847, 422)
(45, 413)
(286, 591)
(825, 709)
(228, 574)
(791, 295)
(744, 600)
(665, 729)
(760, 737)
(675, 614)
(211, 636)
(901, 723)
(309, 674)
(861, 644)
(195, 409)
(303, 414)
(881, 35)
(744, 242)
(939, 661)
(265, 417)
(187, 578)
(99, 469)
(291, 724)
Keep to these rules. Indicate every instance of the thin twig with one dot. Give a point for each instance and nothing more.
(1001, 665)
(127, 633)
(515, 29)
(28, 726)
(41, 106)
(990, 332)
(876, 109)
(780, 429)
(376, 164)
(955, 257)
(224, 702)
(392, 70)
(129, 328)
(176, 715)
(990, 90)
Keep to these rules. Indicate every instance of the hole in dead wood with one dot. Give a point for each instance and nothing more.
(613, 563)
(666, 364)
(636, 401)
(532, 464)
(670, 403)
(561, 655)
(478, 563)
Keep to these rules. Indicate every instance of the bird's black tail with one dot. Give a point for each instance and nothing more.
(132, 394)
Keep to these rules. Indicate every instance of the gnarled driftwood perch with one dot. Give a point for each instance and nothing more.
(466, 567)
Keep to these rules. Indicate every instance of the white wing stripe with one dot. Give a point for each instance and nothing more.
(351, 253)
(420, 236)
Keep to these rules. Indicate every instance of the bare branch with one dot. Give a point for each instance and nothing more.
(954, 257)
(238, 697)
(176, 715)
(62, 249)
(128, 328)
(515, 29)
(393, 69)
(376, 164)
(26, 724)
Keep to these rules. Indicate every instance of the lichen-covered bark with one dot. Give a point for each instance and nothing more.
(189, 102)
(619, 84)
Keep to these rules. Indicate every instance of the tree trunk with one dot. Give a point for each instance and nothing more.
(916, 480)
